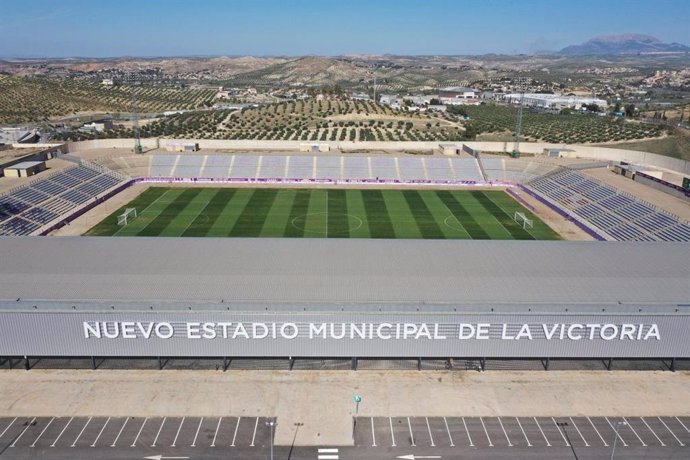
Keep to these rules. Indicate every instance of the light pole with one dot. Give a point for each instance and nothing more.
(271, 423)
(615, 438)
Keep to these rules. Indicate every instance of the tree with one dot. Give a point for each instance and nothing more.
(630, 110)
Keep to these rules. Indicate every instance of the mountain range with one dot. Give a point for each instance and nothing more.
(623, 44)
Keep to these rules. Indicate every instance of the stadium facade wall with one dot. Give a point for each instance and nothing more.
(386, 335)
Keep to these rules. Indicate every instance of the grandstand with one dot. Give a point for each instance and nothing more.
(33, 208)
(615, 214)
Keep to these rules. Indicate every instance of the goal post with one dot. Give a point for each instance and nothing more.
(521, 219)
(127, 216)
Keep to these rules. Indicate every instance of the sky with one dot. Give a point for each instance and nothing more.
(68, 28)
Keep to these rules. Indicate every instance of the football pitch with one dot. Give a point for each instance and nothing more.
(324, 213)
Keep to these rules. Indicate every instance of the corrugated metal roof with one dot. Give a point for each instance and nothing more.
(238, 271)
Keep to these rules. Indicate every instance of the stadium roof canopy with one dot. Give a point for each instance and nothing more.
(211, 274)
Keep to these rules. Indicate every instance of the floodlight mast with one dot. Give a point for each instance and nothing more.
(518, 125)
(135, 115)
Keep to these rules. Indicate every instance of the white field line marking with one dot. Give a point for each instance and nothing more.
(160, 428)
(429, 430)
(634, 432)
(8, 427)
(578, 432)
(42, 431)
(510, 444)
(328, 457)
(213, 444)
(617, 432)
(650, 429)
(390, 422)
(256, 425)
(23, 431)
(81, 432)
(452, 444)
(467, 431)
(409, 426)
(63, 430)
(235, 435)
(567, 444)
(134, 443)
(328, 451)
(491, 444)
(142, 212)
(542, 432)
(373, 435)
(595, 429)
(179, 428)
(682, 424)
(529, 444)
(100, 432)
(674, 434)
(120, 432)
(198, 428)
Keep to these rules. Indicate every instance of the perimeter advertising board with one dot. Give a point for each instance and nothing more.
(343, 335)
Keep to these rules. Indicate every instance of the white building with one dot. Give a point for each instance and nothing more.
(553, 101)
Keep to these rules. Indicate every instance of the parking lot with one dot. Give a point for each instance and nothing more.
(501, 432)
(134, 432)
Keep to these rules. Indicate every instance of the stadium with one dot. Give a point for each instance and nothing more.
(259, 255)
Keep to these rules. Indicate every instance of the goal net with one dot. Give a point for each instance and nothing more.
(521, 219)
(127, 216)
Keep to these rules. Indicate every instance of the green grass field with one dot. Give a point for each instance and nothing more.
(324, 213)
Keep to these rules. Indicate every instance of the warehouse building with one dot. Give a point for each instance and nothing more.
(294, 298)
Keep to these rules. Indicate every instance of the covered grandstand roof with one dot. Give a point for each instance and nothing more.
(84, 273)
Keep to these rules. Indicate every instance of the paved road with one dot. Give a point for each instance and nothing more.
(375, 438)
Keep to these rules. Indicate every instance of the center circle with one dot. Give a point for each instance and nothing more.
(453, 222)
(320, 220)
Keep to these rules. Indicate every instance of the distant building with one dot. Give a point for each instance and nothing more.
(553, 101)
(458, 92)
(99, 126)
(107, 82)
(25, 169)
(391, 100)
(360, 97)
(182, 147)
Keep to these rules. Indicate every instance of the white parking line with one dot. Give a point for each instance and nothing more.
(595, 429)
(235, 435)
(134, 443)
(409, 426)
(429, 429)
(682, 424)
(8, 427)
(100, 432)
(23, 431)
(452, 444)
(634, 432)
(548, 444)
(529, 444)
(328, 454)
(256, 425)
(213, 444)
(510, 444)
(567, 444)
(578, 432)
(120, 432)
(390, 422)
(42, 431)
(198, 428)
(674, 434)
(81, 432)
(179, 428)
(160, 428)
(373, 435)
(467, 431)
(618, 434)
(491, 444)
(650, 429)
(63, 430)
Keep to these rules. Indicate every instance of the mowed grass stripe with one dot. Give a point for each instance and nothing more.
(173, 208)
(300, 207)
(464, 218)
(316, 222)
(189, 213)
(404, 223)
(251, 221)
(108, 226)
(377, 214)
(230, 213)
(443, 216)
(279, 215)
(204, 221)
(506, 220)
(355, 206)
(540, 231)
(338, 220)
(425, 220)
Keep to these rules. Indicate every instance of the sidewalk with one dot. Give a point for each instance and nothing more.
(322, 400)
